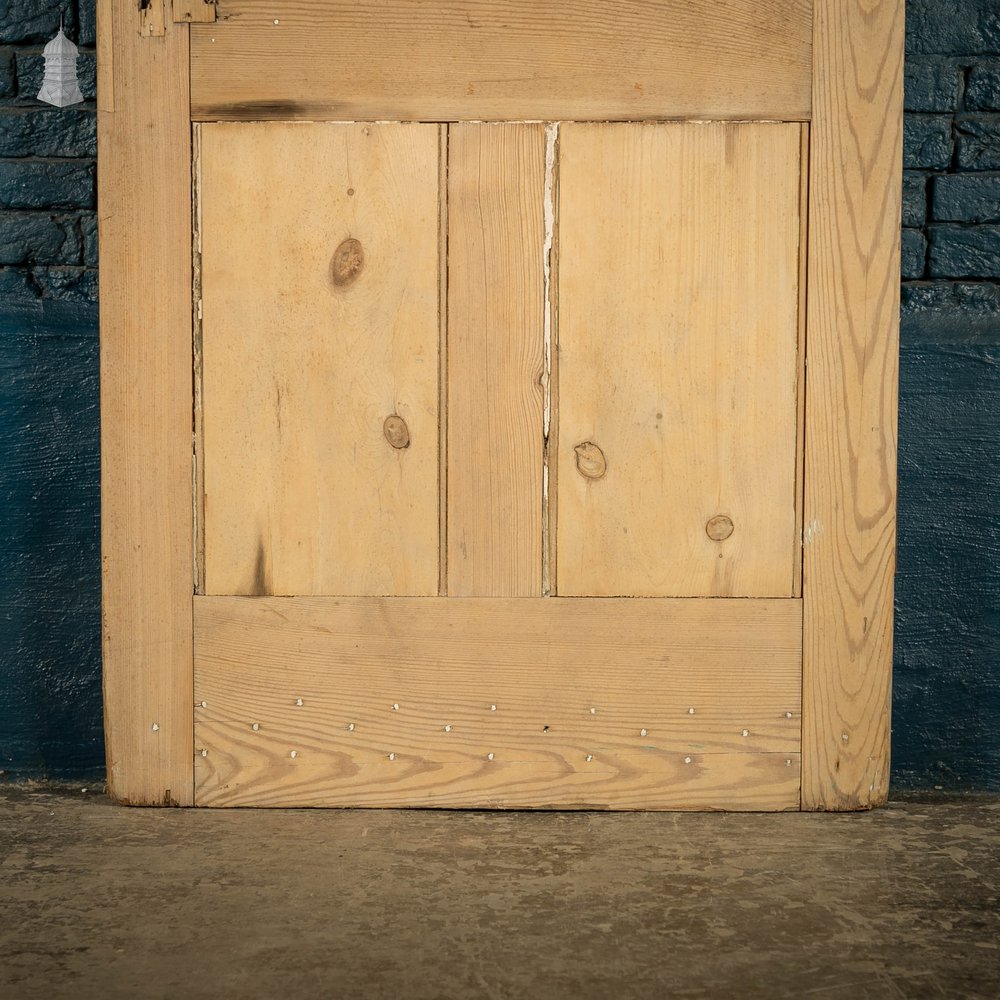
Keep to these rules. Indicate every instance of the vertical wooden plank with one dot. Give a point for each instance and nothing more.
(443, 361)
(800, 373)
(320, 345)
(850, 479)
(678, 332)
(496, 302)
(550, 505)
(144, 153)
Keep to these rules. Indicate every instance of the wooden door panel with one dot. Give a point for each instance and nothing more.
(319, 282)
(582, 704)
(496, 300)
(288, 412)
(503, 59)
(678, 329)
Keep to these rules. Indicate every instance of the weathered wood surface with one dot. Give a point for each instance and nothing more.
(678, 370)
(851, 393)
(320, 346)
(496, 303)
(598, 703)
(503, 59)
(144, 176)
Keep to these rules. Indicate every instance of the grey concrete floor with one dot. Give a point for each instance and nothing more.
(100, 901)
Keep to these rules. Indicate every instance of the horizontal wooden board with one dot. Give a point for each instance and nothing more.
(503, 59)
(596, 703)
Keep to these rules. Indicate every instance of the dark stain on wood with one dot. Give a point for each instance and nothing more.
(250, 110)
(261, 585)
(348, 262)
(396, 432)
(590, 460)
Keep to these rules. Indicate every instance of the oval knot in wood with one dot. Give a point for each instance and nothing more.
(348, 262)
(396, 432)
(719, 528)
(590, 460)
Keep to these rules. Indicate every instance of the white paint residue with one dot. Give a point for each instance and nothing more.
(549, 210)
(549, 216)
(810, 531)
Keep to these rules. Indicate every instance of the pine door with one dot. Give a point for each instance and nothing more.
(504, 451)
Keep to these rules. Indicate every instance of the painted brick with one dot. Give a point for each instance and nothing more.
(31, 69)
(946, 682)
(34, 21)
(39, 238)
(88, 232)
(16, 286)
(88, 22)
(34, 184)
(913, 253)
(964, 251)
(966, 198)
(914, 198)
(982, 91)
(8, 76)
(70, 284)
(50, 655)
(979, 143)
(930, 84)
(45, 131)
(927, 142)
(953, 27)
(948, 312)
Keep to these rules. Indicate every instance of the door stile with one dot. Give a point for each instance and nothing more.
(144, 178)
(850, 423)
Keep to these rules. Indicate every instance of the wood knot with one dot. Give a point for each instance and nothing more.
(590, 460)
(396, 432)
(348, 262)
(719, 528)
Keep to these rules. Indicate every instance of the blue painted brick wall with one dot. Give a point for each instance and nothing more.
(50, 697)
(946, 714)
(946, 728)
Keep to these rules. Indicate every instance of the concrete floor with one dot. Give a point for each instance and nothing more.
(98, 901)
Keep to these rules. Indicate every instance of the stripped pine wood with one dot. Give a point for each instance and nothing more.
(367, 701)
(443, 363)
(550, 507)
(678, 329)
(194, 10)
(144, 177)
(800, 375)
(496, 304)
(851, 394)
(320, 347)
(503, 59)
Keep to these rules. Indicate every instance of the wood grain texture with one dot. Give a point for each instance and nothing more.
(496, 303)
(503, 59)
(678, 331)
(800, 375)
(851, 393)
(379, 702)
(320, 321)
(194, 11)
(144, 175)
